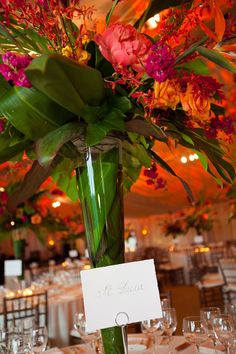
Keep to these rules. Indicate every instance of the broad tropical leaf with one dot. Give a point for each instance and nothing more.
(66, 82)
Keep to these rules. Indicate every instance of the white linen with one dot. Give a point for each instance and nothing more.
(141, 344)
(61, 310)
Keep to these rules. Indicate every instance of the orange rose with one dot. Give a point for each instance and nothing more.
(196, 105)
(166, 94)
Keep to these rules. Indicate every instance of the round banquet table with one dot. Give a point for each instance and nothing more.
(142, 344)
(61, 310)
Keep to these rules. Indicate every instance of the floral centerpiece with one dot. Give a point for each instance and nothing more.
(28, 215)
(175, 227)
(200, 218)
(73, 97)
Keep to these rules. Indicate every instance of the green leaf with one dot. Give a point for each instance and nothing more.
(139, 152)
(11, 152)
(197, 66)
(32, 113)
(202, 159)
(48, 146)
(103, 184)
(4, 86)
(66, 82)
(218, 110)
(166, 167)
(62, 176)
(217, 58)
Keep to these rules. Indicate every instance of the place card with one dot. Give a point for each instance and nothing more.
(13, 268)
(128, 289)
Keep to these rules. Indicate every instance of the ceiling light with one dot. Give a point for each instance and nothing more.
(152, 22)
(196, 156)
(56, 204)
(12, 223)
(191, 157)
(2, 189)
(184, 159)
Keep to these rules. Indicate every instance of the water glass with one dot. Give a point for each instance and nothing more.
(88, 337)
(154, 327)
(194, 330)
(4, 341)
(19, 343)
(39, 339)
(207, 314)
(230, 309)
(223, 327)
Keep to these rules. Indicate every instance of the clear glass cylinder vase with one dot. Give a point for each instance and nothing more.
(101, 195)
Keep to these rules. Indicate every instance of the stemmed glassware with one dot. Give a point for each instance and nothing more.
(230, 309)
(194, 330)
(223, 327)
(88, 337)
(3, 341)
(39, 338)
(170, 322)
(154, 327)
(207, 314)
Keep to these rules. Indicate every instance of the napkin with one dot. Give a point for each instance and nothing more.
(54, 351)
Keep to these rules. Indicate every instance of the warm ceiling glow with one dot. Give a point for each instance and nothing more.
(144, 232)
(12, 223)
(184, 159)
(152, 22)
(56, 204)
(51, 242)
(2, 189)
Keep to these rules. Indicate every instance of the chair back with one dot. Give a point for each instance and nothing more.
(18, 308)
(228, 270)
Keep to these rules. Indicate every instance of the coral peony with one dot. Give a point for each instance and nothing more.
(122, 45)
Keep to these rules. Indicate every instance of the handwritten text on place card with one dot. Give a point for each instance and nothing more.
(130, 288)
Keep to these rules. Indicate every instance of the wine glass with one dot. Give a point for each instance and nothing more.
(170, 322)
(19, 343)
(207, 315)
(3, 341)
(223, 327)
(88, 337)
(194, 330)
(230, 309)
(154, 327)
(39, 339)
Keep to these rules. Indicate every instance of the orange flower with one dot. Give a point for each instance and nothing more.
(195, 104)
(166, 94)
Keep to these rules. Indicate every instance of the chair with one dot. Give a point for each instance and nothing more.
(18, 308)
(228, 270)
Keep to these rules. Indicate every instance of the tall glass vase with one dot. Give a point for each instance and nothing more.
(101, 196)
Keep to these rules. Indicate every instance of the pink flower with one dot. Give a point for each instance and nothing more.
(122, 46)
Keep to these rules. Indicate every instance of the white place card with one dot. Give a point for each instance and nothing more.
(128, 288)
(13, 268)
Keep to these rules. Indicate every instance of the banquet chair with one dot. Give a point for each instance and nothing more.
(18, 308)
(228, 270)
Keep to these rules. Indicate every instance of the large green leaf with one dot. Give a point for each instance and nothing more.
(48, 146)
(66, 82)
(32, 113)
(216, 57)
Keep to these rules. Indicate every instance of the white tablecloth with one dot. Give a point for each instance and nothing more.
(140, 344)
(61, 310)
